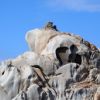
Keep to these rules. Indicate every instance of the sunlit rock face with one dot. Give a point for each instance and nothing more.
(59, 66)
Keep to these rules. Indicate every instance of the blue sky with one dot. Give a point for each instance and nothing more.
(81, 17)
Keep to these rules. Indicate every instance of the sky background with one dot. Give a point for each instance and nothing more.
(80, 17)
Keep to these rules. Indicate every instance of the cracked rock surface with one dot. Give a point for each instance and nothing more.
(59, 66)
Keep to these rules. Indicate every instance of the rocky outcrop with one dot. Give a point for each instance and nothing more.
(60, 66)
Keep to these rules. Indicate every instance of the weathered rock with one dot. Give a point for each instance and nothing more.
(60, 66)
(37, 39)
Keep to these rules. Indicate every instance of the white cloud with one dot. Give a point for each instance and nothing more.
(78, 5)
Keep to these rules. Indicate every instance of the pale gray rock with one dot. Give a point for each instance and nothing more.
(60, 66)
(38, 38)
(97, 79)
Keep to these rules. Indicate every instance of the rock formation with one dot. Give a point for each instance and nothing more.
(59, 66)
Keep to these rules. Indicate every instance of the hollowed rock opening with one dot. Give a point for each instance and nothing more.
(76, 58)
(64, 57)
(73, 49)
(61, 55)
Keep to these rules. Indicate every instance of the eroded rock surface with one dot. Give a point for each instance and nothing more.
(60, 66)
